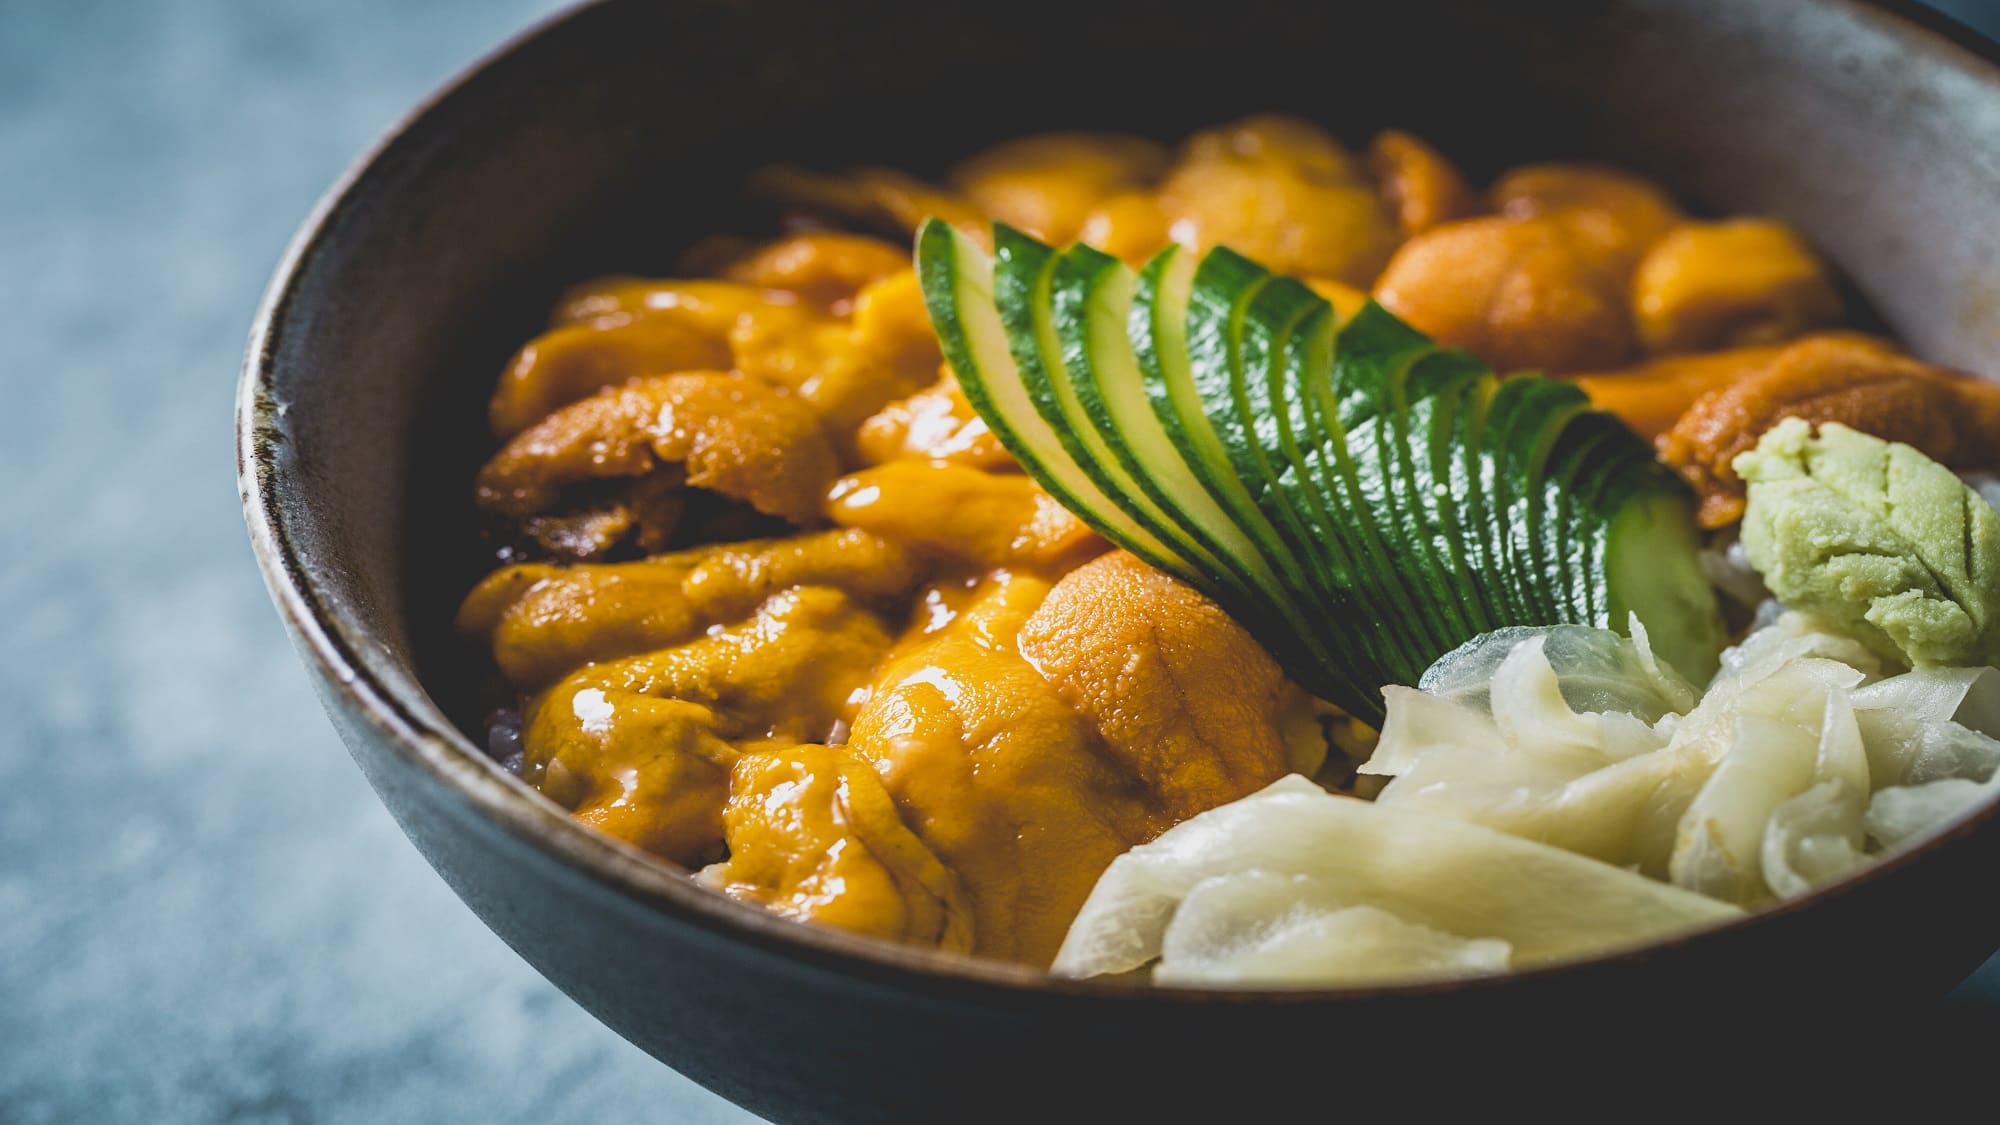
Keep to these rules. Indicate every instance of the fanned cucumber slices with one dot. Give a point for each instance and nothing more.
(1362, 499)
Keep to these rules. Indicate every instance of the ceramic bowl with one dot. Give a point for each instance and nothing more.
(610, 137)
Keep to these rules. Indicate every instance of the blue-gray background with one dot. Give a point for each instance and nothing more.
(204, 914)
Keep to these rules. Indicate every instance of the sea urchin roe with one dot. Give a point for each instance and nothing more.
(854, 336)
(576, 361)
(986, 519)
(824, 267)
(1129, 225)
(1535, 293)
(935, 424)
(1421, 187)
(1037, 732)
(1050, 183)
(715, 307)
(1744, 281)
(1838, 377)
(730, 434)
(1283, 192)
(1877, 540)
(846, 365)
(641, 747)
(1617, 214)
(545, 621)
(997, 774)
(1178, 691)
(886, 351)
(1651, 396)
(813, 835)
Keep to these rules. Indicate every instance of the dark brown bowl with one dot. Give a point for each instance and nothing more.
(608, 138)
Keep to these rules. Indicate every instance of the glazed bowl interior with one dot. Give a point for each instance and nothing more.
(618, 135)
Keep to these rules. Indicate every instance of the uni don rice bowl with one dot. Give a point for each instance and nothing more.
(1246, 562)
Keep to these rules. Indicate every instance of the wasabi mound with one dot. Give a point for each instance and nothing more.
(1877, 541)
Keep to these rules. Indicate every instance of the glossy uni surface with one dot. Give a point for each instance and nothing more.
(612, 137)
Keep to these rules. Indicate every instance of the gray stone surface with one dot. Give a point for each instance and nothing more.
(204, 914)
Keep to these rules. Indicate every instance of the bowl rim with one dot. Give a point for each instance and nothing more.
(477, 786)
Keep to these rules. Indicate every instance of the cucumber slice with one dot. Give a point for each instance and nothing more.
(1471, 488)
(1588, 454)
(959, 294)
(1059, 342)
(1652, 570)
(1307, 346)
(1380, 443)
(1094, 295)
(1437, 393)
(1277, 328)
(1159, 334)
(1024, 291)
(1523, 422)
(1287, 324)
(1257, 334)
(1594, 470)
(1361, 499)
(1331, 491)
(1352, 400)
(1224, 286)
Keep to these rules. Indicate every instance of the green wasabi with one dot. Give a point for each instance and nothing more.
(1877, 540)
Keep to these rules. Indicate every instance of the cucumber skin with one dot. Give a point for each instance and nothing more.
(1570, 487)
(1412, 512)
(1145, 329)
(1306, 358)
(1158, 329)
(1528, 415)
(1023, 277)
(1271, 331)
(1372, 352)
(1305, 349)
(1665, 587)
(1020, 266)
(1444, 381)
(1224, 285)
(1483, 503)
(1602, 472)
(1277, 333)
(939, 250)
(1065, 386)
(1082, 274)
(1245, 421)
(1023, 290)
